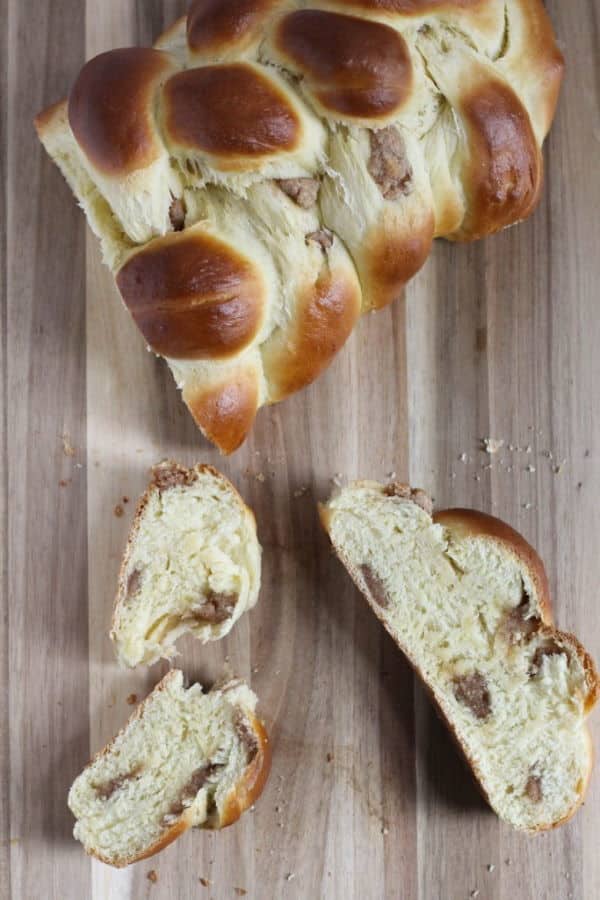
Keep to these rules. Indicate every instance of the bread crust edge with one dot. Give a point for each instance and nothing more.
(475, 523)
(243, 794)
(152, 488)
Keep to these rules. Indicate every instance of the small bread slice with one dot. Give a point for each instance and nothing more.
(192, 564)
(185, 759)
(466, 599)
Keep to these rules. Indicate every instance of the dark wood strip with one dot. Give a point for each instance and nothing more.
(5, 873)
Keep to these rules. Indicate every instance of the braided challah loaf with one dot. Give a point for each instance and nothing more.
(276, 168)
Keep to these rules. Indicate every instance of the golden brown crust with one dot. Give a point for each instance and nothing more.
(214, 26)
(354, 67)
(232, 112)
(252, 782)
(391, 256)
(225, 411)
(471, 523)
(193, 296)
(111, 108)
(408, 7)
(543, 60)
(236, 117)
(45, 119)
(324, 319)
(464, 523)
(504, 176)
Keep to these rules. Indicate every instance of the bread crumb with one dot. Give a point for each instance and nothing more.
(507, 861)
(492, 445)
(463, 458)
(530, 468)
(391, 475)
(204, 882)
(68, 448)
(329, 757)
(152, 876)
(491, 867)
(290, 876)
(475, 893)
(125, 499)
(385, 830)
(260, 476)
(241, 892)
(300, 492)
(64, 482)
(132, 699)
(527, 505)
(558, 469)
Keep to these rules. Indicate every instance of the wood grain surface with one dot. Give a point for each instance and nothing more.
(367, 798)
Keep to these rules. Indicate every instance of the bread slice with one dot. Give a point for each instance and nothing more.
(185, 759)
(466, 599)
(192, 564)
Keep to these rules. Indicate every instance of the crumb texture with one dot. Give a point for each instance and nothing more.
(174, 766)
(192, 564)
(466, 608)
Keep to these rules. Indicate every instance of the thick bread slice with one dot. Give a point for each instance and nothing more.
(466, 599)
(185, 759)
(192, 563)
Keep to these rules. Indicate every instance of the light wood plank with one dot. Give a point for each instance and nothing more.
(46, 538)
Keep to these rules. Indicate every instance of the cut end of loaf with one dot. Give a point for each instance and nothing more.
(465, 598)
(185, 759)
(192, 564)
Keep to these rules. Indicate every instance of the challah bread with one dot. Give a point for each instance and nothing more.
(271, 169)
(192, 564)
(466, 599)
(185, 759)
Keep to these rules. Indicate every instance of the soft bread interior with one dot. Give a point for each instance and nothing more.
(174, 766)
(192, 564)
(468, 613)
(57, 138)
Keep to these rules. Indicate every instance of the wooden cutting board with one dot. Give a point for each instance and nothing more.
(367, 798)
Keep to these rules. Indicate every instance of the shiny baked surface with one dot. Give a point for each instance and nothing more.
(273, 169)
